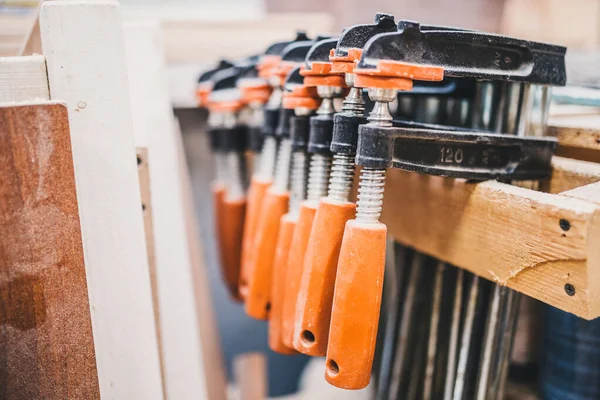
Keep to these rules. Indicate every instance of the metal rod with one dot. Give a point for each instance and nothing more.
(400, 359)
(465, 344)
(454, 333)
(433, 330)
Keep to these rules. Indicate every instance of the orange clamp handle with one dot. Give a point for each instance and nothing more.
(258, 300)
(295, 267)
(256, 194)
(356, 305)
(278, 284)
(218, 192)
(232, 226)
(313, 309)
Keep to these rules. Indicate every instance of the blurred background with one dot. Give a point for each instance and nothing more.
(199, 32)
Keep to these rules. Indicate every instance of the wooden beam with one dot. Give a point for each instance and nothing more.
(212, 355)
(507, 234)
(85, 55)
(578, 136)
(144, 175)
(185, 372)
(46, 343)
(23, 79)
(569, 174)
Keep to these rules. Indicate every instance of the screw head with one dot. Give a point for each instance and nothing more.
(570, 289)
(564, 224)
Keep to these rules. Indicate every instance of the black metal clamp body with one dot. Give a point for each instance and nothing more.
(460, 152)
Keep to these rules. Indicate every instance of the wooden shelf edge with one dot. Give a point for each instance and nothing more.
(511, 235)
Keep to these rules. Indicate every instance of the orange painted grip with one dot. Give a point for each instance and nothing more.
(258, 300)
(356, 303)
(256, 194)
(278, 285)
(218, 191)
(313, 309)
(232, 225)
(294, 269)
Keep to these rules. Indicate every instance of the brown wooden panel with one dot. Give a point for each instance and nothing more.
(46, 344)
(507, 234)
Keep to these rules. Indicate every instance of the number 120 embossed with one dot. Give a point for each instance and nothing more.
(451, 156)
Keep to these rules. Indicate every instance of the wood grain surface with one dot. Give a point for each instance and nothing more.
(46, 343)
(530, 241)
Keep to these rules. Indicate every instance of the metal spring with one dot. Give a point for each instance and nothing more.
(353, 103)
(267, 158)
(237, 175)
(342, 177)
(298, 181)
(370, 195)
(318, 176)
(221, 168)
(282, 169)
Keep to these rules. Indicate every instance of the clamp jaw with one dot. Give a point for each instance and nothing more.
(392, 62)
(416, 53)
(205, 83)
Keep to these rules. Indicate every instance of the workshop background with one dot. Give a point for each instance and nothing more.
(197, 33)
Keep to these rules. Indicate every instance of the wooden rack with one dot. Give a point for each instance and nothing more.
(543, 244)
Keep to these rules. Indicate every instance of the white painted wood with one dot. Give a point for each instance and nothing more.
(83, 45)
(153, 126)
(23, 79)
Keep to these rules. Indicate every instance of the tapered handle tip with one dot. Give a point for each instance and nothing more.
(294, 269)
(313, 309)
(278, 286)
(356, 305)
(232, 225)
(258, 299)
(256, 194)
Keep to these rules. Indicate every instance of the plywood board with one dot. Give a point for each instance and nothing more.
(46, 343)
(183, 366)
(83, 45)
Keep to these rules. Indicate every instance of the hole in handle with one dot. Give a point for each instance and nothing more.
(332, 367)
(308, 338)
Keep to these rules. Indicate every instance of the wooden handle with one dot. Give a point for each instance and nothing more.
(256, 194)
(278, 285)
(258, 299)
(313, 309)
(294, 269)
(232, 225)
(356, 303)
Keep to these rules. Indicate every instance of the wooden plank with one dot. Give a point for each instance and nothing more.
(23, 79)
(568, 174)
(85, 55)
(251, 376)
(578, 137)
(212, 355)
(153, 124)
(504, 233)
(236, 38)
(46, 343)
(144, 176)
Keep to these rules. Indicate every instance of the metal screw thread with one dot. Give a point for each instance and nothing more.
(380, 115)
(282, 167)
(237, 175)
(267, 158)
(221, 168)
(342, 177)
(318, 176)
(370, 195)
(298, 181)
(353, 103)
